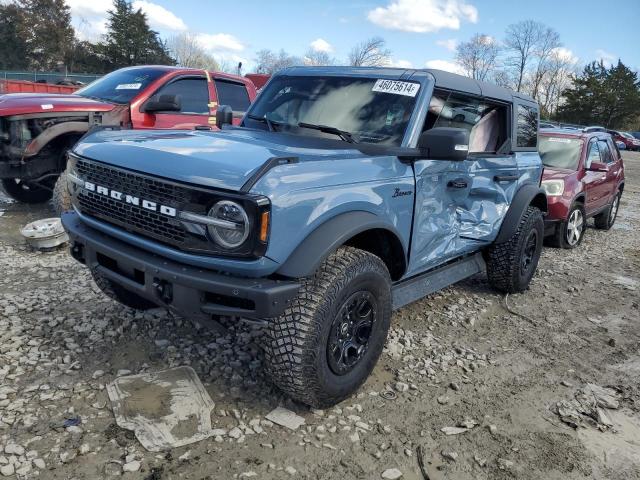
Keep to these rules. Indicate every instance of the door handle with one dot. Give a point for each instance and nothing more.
(505, 178)
(459, 183)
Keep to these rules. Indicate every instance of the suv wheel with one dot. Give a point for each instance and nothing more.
(25, 192)
(326, 343)
(606, 219)
(511, 264)
(569, 233)
(120, 294)
(61, 199)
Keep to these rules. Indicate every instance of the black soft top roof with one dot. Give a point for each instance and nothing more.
(452, 81)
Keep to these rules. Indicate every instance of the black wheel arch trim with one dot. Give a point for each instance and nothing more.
(328, 237)
(528, 194)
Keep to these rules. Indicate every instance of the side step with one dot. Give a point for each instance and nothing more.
(412, 289)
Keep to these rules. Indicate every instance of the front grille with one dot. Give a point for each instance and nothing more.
(134, 218)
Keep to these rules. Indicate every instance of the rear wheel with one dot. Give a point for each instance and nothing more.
(569, 233)
(120, 294)
(26, 192)
(326, 343)
(511, 264)
(606, 219)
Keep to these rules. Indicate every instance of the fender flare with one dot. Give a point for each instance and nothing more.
(528, 194)
(51, 133)
(327, 238)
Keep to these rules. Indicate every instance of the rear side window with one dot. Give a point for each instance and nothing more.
(192, 92)
(527, 133)
(233, 94)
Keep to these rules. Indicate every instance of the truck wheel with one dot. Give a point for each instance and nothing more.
(61, 199)
(569, 233)
(606, 219)
(511, 264)
(326, 343)
(120, 294)
(25, 192)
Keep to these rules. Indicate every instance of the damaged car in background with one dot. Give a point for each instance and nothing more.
(37, 129)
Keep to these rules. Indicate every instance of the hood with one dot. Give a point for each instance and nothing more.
(24, 103)
(551, 173)
(224, 159)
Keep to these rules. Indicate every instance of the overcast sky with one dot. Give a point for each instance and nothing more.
(419, 32)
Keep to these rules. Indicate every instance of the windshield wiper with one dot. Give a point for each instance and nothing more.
(270, 123)
(343, 134)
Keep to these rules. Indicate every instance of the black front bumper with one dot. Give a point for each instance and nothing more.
(189, 291)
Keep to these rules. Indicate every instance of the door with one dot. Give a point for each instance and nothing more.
(460, 204)
(193, 93)
(235, 95)
(595, 183)
(614, 162)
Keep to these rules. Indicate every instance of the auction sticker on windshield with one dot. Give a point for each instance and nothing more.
(396, 87)
(129, 86)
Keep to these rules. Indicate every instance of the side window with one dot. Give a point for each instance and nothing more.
(233, 94)
(527, 133)
(605, 153)
(613, 148)
(193, 94)
(593, 155)
(486, 122)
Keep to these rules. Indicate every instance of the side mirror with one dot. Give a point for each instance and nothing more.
(162, 103)
(598, 167)
(445, 143)
(224, 116)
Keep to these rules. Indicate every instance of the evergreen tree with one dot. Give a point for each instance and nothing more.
(49, 36)
(602, 96)
(13, 46)
(130, 41)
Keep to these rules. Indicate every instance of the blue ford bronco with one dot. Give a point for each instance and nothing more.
(344, 194)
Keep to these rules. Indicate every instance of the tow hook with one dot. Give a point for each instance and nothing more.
(164, 290)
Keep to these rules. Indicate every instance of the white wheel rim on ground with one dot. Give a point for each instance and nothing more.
(574, 227)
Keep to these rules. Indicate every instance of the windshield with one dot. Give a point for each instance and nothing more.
(365, 110)
(627, 135)
(122, 85)
(560, 152)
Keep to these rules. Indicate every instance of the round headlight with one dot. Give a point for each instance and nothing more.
(234, 226)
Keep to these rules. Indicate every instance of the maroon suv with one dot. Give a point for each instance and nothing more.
(583, 178)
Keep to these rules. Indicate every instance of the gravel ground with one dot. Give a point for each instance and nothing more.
(497, 369)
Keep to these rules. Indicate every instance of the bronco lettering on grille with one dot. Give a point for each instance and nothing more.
(130, 199)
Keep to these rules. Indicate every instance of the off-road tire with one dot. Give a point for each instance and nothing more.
(61, 199)
(120, 294)
(559, 239)
(604, 220)
(296, 343)
(504, 260)
(25, 192)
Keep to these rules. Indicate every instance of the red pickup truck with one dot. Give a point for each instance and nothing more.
(37, 129)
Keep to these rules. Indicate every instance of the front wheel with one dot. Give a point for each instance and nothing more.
(25, 192)
(61, 199)
(511, 264)
(569, 233)
(326, 343)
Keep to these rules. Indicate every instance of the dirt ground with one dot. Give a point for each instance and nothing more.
(463, 356)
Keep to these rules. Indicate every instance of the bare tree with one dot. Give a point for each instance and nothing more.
(522, 40)
(188, 52)
(370, 53)
(559, 73)
(478, 56)
(547, 45)
(270, 62)
(316, 58)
